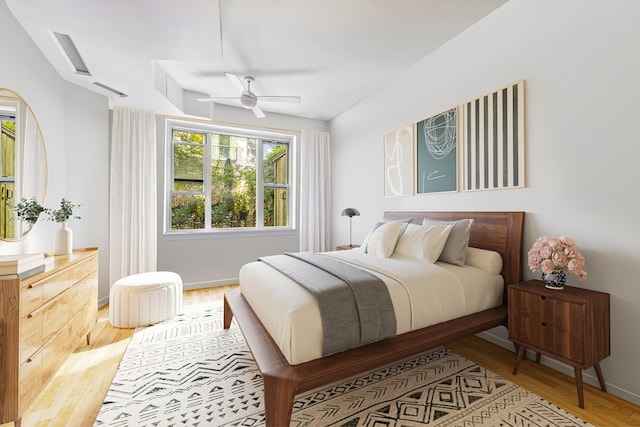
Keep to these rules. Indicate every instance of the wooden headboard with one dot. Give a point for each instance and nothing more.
(495, 231)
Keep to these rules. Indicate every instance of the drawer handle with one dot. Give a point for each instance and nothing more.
(44, 306)
(29, 360)
(33, 285)
(543, 297)
(543, 323)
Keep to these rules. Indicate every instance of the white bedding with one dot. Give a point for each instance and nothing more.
(422, 294)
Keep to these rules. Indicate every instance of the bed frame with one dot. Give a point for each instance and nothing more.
(497, 231)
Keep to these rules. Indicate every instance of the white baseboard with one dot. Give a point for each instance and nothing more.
(588, 376)
(209, 284)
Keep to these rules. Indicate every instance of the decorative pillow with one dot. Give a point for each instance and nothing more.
(489, 261)
(378, 224)
(384, 238)
(423, 242)
(455, 250)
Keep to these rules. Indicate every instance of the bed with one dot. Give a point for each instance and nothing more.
(494, 231)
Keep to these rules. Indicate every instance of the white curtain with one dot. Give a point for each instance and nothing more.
(133, 202)
(315, 192)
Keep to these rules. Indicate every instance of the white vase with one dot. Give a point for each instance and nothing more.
(63, 240)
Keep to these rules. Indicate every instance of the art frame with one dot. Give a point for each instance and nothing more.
(437, 153)
(493, 136)
(398, 162)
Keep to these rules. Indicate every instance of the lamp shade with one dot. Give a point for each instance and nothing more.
(350, 212)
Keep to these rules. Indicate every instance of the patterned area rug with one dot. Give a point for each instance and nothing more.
(189, 371)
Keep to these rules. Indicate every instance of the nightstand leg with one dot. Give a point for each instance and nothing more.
(600, 377)
(578, 372)
(519, 356)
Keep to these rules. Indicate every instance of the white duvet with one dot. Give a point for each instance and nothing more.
(422, 294)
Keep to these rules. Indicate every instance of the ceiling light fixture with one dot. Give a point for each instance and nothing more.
(110, 89)
(71, 53)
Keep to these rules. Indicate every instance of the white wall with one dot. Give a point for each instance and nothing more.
(211, 261)
(580, 65)
(74, 125)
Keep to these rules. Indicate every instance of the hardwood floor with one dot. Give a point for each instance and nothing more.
(75, 394)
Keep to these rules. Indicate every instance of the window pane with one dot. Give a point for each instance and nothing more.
(188, 161)
(184, 136)
(275, 207)
(274, 163)
(233, 182)
(187, 211)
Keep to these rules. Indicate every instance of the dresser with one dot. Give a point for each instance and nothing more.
(43, 319)
(570, 325)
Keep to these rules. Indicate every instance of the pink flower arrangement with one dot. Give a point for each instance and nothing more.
(556, 253)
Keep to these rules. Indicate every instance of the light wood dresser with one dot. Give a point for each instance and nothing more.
(43, 319)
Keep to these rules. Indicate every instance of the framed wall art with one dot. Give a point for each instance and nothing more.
(398, 162)
(437, 153)
(493, 135)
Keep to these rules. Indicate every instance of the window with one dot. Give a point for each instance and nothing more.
(223, 179)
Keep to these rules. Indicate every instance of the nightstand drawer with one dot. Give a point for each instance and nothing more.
(549, 323)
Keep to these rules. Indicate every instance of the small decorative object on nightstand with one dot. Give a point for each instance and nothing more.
(571, 326)
(346, 247)
(554, 256)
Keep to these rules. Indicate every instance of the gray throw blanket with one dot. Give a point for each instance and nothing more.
(355, 305)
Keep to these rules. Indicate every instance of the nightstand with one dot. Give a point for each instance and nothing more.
(346, 247)
(570, 325)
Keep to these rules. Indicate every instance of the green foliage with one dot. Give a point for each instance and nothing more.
(233, 183)
(28, 210)
(64, 213)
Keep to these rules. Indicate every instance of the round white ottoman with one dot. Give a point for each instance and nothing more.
(144, 299)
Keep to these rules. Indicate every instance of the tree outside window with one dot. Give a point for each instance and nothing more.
(216, 179)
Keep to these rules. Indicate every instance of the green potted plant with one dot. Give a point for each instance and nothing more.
(63, 237)
(64, 214)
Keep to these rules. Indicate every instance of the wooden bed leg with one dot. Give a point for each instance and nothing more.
(228, 314)
(279, 394)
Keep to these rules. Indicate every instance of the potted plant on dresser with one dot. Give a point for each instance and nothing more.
(63, 237)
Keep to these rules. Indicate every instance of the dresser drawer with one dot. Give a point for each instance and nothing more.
(31, 298)
(30, 379)
(31, 338)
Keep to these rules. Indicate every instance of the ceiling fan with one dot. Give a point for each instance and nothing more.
(247, 98)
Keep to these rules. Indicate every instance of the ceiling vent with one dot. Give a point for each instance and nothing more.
(110, 89)
(71, 53)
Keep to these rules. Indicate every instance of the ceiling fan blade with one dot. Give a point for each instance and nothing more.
(292, 99)
(216, 98)
(237, 82)
(258, 112)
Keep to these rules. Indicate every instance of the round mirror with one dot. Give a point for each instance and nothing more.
(23, 159)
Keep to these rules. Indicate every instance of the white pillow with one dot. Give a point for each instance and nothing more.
(423, 242)
(489, 261)
(365, 243)
(455, 250)
(384, 238)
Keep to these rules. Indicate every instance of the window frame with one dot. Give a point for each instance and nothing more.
(262, 137)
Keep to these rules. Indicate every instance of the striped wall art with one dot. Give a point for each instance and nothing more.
(493, 137)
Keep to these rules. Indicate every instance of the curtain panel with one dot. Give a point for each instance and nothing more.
(133, 201)
(315, 192)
